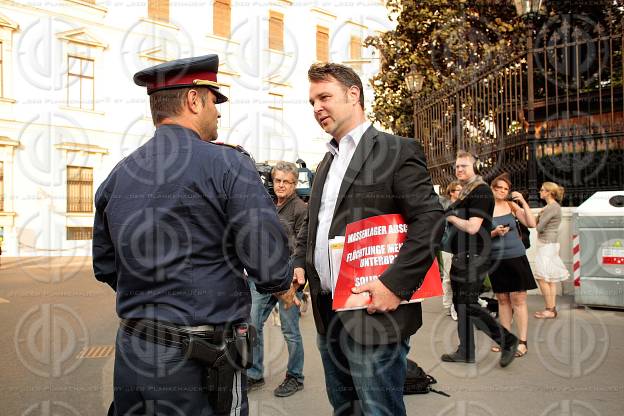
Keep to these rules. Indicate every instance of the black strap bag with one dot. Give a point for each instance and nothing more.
(523, 232)
(417, 381)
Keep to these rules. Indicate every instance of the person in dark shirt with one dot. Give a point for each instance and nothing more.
(471, 218)
(181, 226)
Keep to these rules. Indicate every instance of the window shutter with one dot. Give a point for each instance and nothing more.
(322, 44)
(276, 31)
(158, 10)
(355, 48)
(1, 186)
(79, 189)
(1, 72)
(222, 18)
(79, 233)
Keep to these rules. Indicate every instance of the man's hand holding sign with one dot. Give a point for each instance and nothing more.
(371, 246)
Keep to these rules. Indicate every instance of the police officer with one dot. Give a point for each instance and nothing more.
(180, 225)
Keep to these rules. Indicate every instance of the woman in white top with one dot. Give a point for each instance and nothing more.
(549, 269)
(450, 196)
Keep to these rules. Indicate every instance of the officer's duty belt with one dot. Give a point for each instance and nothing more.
(171, 335)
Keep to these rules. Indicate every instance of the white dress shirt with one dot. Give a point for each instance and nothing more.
(342, 157)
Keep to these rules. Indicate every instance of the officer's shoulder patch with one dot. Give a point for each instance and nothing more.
(236, 147)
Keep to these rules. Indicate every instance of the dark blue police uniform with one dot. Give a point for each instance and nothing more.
(180, 226)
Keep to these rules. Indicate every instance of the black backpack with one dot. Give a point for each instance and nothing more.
(417, 381)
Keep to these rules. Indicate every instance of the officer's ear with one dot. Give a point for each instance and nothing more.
(193, 101)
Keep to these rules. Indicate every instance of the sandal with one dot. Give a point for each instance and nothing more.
(495, 348)
(522, 353)
(547, 313)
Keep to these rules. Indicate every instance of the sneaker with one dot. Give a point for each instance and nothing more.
(289, 386)
(254, 384)
(453, 313)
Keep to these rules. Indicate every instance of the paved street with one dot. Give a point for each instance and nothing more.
(53, 311)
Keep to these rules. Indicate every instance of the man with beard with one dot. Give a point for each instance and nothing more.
(177, 224)
(470, 218)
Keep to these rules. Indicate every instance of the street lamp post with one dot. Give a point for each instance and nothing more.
(528, 9)
(414, 81)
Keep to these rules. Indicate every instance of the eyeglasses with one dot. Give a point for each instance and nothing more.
(282, 181)
(455, 190)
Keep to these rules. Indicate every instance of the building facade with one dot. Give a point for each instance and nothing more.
(69, 110)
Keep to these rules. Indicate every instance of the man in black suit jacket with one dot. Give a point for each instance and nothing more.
(365, 173)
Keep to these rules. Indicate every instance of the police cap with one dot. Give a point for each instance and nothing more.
(199, 71)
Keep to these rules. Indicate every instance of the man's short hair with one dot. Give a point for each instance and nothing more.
(343, 74)
(287, 167)
(169, 103)
(464, 154)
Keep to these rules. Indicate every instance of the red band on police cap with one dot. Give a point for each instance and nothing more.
(181, 80)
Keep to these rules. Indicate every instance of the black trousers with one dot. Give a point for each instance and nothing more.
(152, 379)
(467, 276)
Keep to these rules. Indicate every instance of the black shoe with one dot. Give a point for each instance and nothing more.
(254, 384)
(456, 357)
(289, 386)
(509, 353)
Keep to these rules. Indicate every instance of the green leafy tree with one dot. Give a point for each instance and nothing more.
(446, 39)
(440, 38)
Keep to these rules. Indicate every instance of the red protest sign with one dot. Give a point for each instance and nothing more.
(370, 247)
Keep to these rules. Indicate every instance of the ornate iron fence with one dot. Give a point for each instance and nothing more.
(553, 114)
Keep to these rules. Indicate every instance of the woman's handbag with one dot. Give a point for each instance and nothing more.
(523, 233)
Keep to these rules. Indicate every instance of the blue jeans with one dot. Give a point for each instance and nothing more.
(261, 307)
(366, 378)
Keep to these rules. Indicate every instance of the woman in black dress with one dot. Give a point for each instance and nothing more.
(510, 274)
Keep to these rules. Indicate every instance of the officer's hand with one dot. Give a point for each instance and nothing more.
(382, 298)
(299, 276)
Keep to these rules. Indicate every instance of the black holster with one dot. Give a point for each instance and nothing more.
(221, 361)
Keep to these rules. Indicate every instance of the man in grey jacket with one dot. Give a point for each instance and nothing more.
(292, 212)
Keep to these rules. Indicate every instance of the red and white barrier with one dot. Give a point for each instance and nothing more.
(576, 260)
